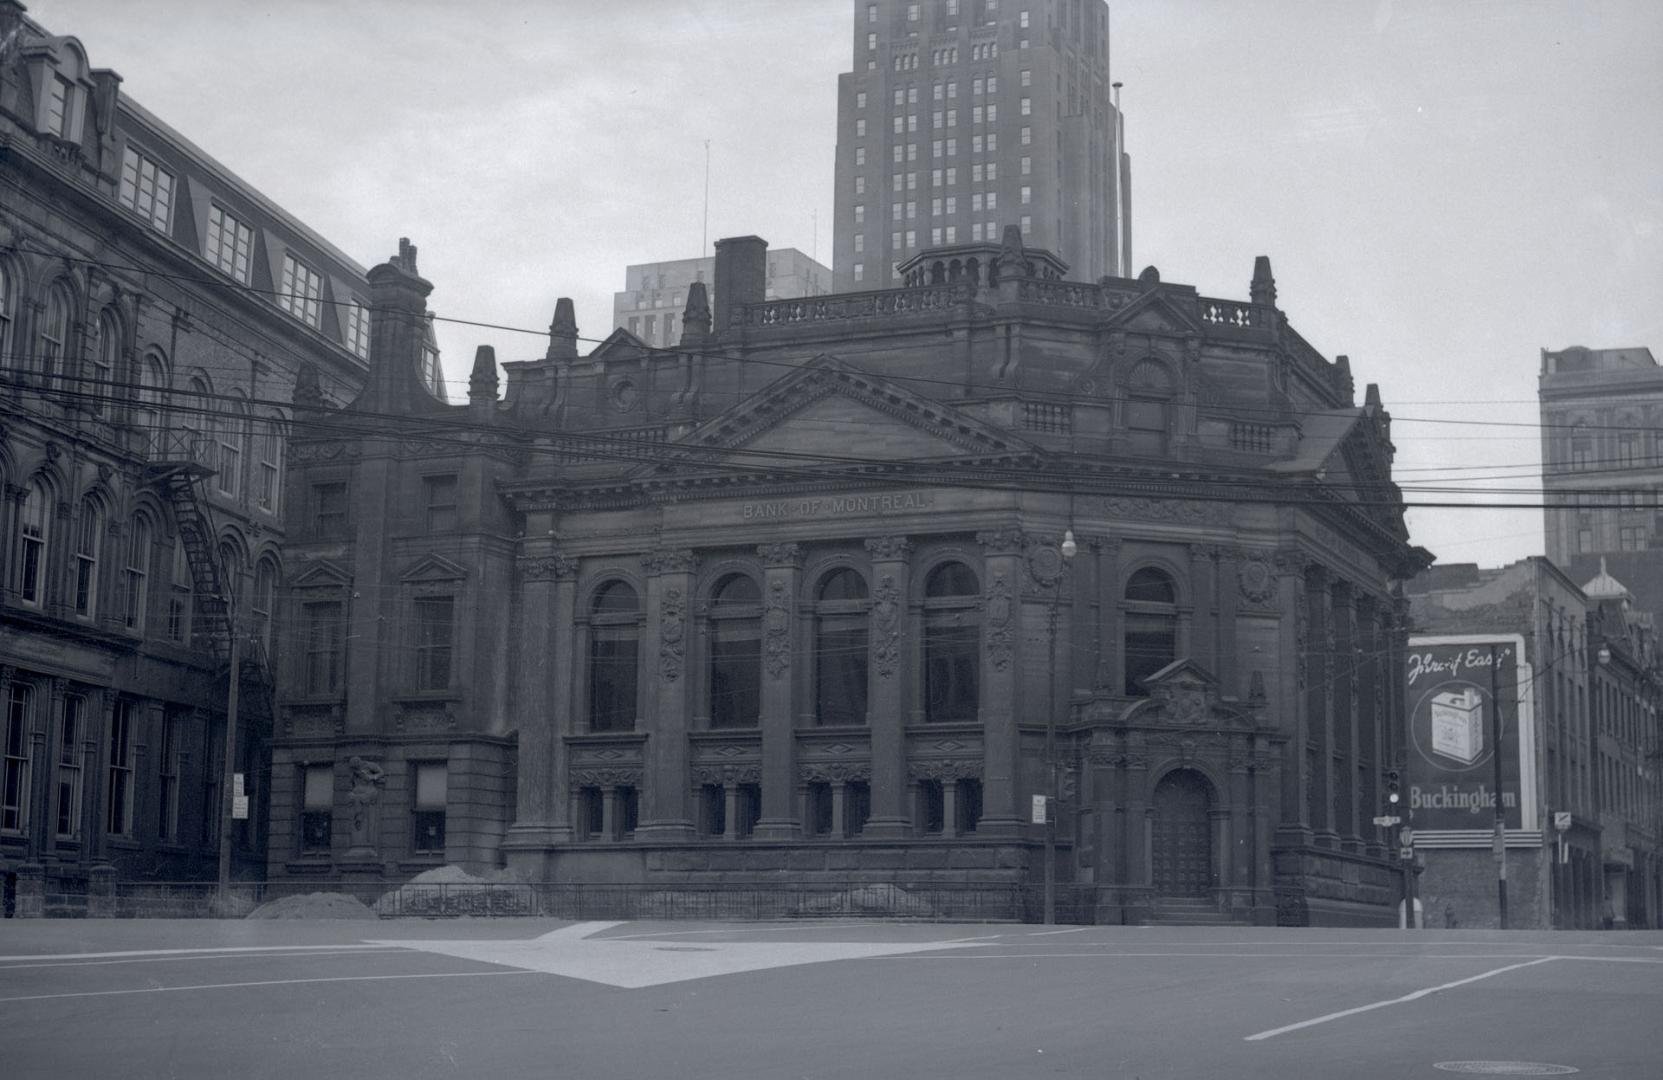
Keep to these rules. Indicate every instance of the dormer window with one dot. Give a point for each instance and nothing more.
(60, 74)
(229, 244)
(301, 291)
(60, 97)
(356, 329)
(146, 188)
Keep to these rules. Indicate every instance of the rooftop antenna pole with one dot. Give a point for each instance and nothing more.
(1123, 253)
(704, 236)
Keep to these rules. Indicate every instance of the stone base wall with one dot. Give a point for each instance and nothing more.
(1458, 889)
(1323, 887)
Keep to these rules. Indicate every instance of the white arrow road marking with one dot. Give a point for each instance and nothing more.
(631, 963)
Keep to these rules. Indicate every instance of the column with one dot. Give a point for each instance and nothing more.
(1229, 596)
(665, 813)
(609, 812)
(1111, 661)
(537, 703)
(1203, 635)
(1343, 686)
(1001, 683)
(1138, 883)
(949, 806)
(1293, 674)
(97, 779)
(730, 817)
(1319, 694)
(49, 709)
(887, 684)
(782, 571)
(840, 820)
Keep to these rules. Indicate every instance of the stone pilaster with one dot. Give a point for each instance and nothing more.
(1319, 693)
(666, 813)
(1003, 797)
(1293, 676)
(781, 671)
(1203, 637)
(1111, 655)
(887, 686)
(1228, 564)
(536, 701)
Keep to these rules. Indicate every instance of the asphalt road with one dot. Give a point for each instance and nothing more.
(781, 1001)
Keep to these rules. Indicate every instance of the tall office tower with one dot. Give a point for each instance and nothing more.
(964, 116)
(1602, 455)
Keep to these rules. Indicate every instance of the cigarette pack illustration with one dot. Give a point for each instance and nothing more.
(1458, 725)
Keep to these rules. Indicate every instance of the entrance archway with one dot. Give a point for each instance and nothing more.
(1181, 844)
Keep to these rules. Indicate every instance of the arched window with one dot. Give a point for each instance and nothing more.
(952, 635)
(1148, 396)
(136, 574)
(89, 529)
(1151, 627)
(54, 331)
(34, 523)
(196, 420)
(840, 649)
(150, 377)
(101, 371)
(735, 653)
(8, 314)
(265, 596)
(231, 568)
(181, 595)
(269, 439)
(230, 429)
(614, 657)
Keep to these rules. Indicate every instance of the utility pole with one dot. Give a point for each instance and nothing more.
(227, 799)
(1501, 810)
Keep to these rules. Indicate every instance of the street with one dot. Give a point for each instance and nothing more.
(818, 1000)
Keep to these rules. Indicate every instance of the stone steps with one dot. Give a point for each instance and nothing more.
(1189, 911)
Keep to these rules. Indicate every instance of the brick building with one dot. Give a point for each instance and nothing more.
(154, 313)
(835, 587)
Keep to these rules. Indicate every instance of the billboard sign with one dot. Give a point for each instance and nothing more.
(1464, 696)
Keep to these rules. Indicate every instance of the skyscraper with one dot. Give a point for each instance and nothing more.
(964, 116)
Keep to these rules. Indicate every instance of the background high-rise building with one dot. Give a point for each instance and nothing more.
(964, 116)
(1602, 457)
(655, 294)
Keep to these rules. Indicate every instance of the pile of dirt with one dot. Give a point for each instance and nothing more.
(879, 899)
(318, 905)
(451, 890)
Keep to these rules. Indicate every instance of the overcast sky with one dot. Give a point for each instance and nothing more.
(1444, 188)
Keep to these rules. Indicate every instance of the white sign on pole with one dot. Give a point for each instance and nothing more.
(1039, 810)
(1387, 820)
(1561, 820)
(239, 807)
(237, 785)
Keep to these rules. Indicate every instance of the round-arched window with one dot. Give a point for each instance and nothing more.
(1151, 626)
(841, 648)
(952, 635)
(735, 653)
(614, 656)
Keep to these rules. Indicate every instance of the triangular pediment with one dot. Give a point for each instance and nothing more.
(830, 409)
(1154, 313)
(620, 344)
(433, 567)
(321, 574)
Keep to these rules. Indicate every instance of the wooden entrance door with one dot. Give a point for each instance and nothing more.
(1182, 845)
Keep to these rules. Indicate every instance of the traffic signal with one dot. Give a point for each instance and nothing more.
(1394, 788)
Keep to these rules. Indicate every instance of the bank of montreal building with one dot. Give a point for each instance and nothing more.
(779, 604)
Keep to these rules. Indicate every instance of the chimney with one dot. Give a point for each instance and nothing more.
(1263, 288)
(741, 276)
(695, 317)
(482, 384)
(398, 336)
(562, 332)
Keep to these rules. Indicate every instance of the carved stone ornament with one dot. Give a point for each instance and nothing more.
(1045, 564)
(672, 629)
(1000, 634)
(886, 621)
(1001, 541)
(1258, 581)
(776, 622)
(888, 548)
(781, 556)
(367, 781)
(1184, 510)
(605, 778)
(548, 568)
(834, 772)
(945, 769)
(1291, 561)
(727, 774)
(669, 562)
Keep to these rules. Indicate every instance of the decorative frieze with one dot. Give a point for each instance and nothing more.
(669, 562)
(548, 568)
(1002, 541)
(738, 773)
(886, 626)
(834, 772)
(1000, 633)
(1257, 580)
(606, 777)
(1184, 511)
(889, 548)
(945, 769)
(781, 556)
(672, 630)
(776, 622)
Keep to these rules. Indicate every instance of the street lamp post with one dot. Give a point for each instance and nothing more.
(1069, 547)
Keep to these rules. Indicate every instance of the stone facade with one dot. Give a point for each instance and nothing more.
(148, 353)
(834, 588)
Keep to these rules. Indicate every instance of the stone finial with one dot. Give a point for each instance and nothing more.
(695, 317)
(1263, 288)
(406, 257)
(563, 331)
(1011, 239)
(308, 392)
(482, 382)
(1150, 276)
(1371, 395)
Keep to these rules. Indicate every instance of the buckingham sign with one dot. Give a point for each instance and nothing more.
(1458, 690)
